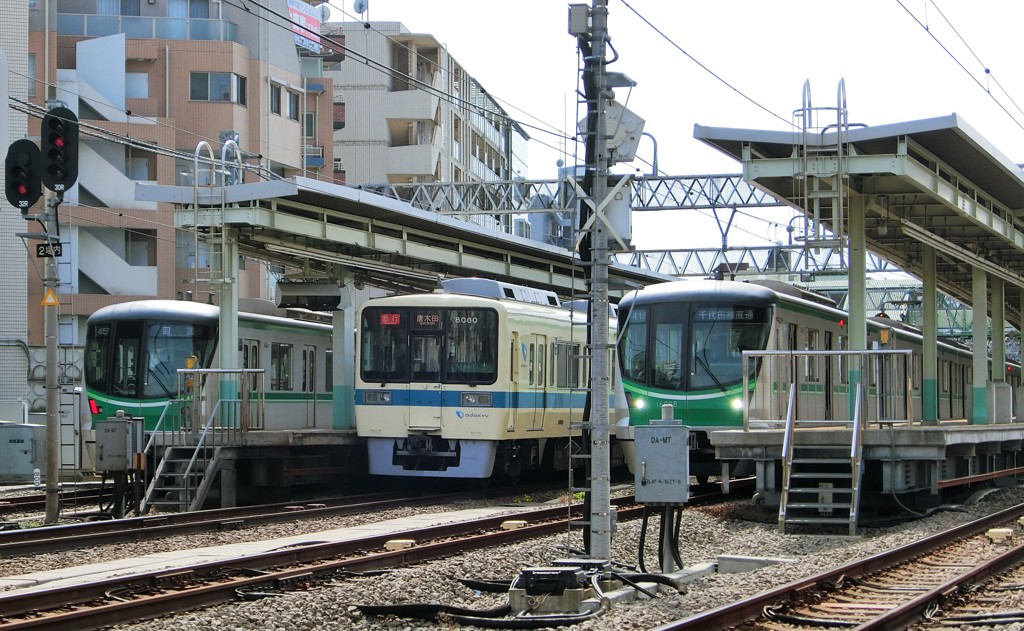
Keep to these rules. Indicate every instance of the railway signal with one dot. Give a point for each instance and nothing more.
(22, 169)
(59, 138)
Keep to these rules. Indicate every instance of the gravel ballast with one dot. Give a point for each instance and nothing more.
(736, 528)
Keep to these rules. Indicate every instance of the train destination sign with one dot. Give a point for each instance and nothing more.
(724, 314)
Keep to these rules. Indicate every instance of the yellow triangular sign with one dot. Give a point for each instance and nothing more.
(50, 299)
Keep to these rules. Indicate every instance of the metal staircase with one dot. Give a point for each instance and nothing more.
(821, 482)
(183, 479)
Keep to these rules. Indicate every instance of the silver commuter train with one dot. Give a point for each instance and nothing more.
(681, 343)
(484, 378)
(133, 350)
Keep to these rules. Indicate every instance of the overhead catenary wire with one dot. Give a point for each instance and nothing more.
(962, 66)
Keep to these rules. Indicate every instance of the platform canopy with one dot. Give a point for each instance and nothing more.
(934, 181)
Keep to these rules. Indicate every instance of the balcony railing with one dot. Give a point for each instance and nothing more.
(90, 25)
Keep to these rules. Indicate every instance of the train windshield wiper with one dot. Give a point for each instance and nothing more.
(704, 364)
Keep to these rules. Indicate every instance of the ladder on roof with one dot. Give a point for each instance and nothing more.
(821, 481)
(822, 178)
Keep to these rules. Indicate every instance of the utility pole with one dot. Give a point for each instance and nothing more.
(597, 94)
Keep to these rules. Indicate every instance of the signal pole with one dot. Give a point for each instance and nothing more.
(26, 169)
(50, 306)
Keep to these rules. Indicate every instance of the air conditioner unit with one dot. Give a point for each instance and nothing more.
(312, 296)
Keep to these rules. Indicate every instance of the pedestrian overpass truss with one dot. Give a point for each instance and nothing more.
(527, 196)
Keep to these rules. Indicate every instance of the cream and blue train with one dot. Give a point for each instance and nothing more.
(483, 378)
(681, 343)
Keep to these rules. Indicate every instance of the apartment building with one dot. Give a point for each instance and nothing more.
(153, 83)
(410, 113)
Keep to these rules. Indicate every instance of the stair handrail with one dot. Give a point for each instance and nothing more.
(188, 476)
(856, 452)
(787, 455)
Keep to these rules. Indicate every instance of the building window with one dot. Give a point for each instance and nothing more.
(240, 90)
(136, 85)
(189, 9)
(339, 116)
(309, 125)
(275, 99)
(293, 106)
(31, 74)
(223, 87)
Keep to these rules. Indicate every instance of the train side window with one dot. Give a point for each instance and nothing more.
(329, 371)
(308, 368)
(531, 366)
(811, 362)
(540, 364)
(552, 364)
(280, 366)
(844, 374)
(305, 370)
(916, 363)
(944, 375)
(567, 365)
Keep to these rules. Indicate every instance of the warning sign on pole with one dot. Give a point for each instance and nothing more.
(50, 298)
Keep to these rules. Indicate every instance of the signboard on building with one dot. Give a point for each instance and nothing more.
(305, 24)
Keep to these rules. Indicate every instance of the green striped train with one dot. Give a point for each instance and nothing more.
(681, 343)
(134, 349)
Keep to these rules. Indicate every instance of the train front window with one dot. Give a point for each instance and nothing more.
(633, 346)
(168, 346)
(666, 347)
(384, 345)
(472, 340)
(718, 336)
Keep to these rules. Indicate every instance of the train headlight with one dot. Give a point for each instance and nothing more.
(478, 399)
(377, 397)
(639, 404)
(736, 404)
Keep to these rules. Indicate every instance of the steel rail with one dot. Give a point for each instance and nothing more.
(89, 606)
(70, 536)
(750, 609)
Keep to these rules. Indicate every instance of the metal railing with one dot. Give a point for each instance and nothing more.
(825, 387)
(146, 27)
(215, 408)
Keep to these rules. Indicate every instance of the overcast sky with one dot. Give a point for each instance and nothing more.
(744, 65)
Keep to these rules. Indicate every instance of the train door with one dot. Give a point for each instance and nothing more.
(829, 390)
(794, 371)
(309, 383)
(426, 394)
(538, 380)
(251, 359)
(513, 386)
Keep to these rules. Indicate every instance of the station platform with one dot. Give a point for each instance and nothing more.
(905, 459)
(168, 561)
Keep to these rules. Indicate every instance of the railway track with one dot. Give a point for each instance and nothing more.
(149, 594)
(86, 534)
(84, 499)
(891, 590)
